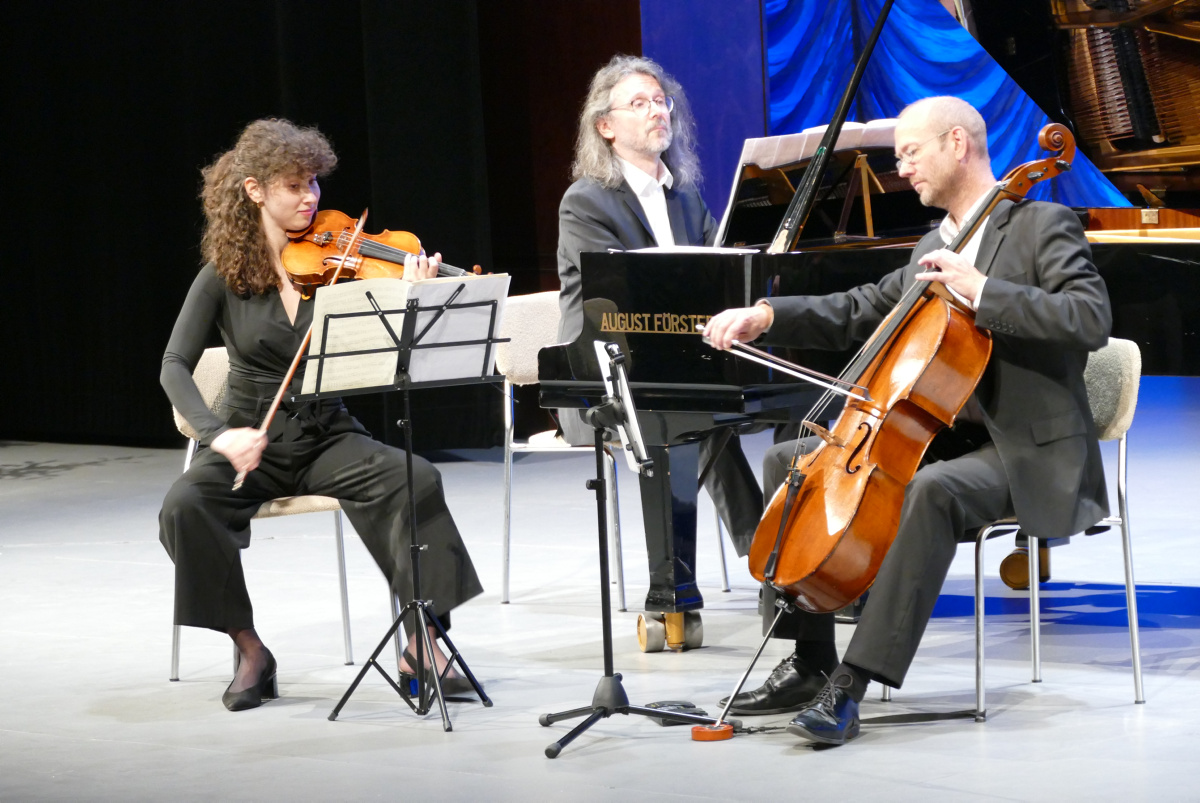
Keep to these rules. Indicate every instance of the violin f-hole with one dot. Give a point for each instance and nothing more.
(858, 448)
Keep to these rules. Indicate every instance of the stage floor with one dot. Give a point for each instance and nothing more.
(88, 712)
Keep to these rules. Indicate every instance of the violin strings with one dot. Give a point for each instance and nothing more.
(390, 253)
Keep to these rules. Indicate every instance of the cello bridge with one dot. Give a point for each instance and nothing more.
(824, 434)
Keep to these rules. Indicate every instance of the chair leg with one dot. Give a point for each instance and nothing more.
(396, 638)
(508, 458)
(980, 680)
(721, 552)
(1130, 589)
(1035, 609)
(175, 652)
(614, 525)
(885, 695)
(340, 540)
(189, 453)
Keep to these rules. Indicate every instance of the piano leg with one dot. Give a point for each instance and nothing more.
(669, 513)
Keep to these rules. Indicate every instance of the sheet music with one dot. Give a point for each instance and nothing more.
(429, 365)
(787, 149)
(332, 336)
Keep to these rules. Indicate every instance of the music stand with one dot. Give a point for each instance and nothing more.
(615, 412)
(357, 349)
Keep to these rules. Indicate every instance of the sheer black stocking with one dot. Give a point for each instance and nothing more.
(252, 658)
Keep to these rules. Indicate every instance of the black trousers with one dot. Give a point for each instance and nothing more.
(204, 524)
(731, 482)
(944, 501)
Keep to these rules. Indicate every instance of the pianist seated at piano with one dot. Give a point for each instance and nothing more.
(1028, 446)
(635, 186)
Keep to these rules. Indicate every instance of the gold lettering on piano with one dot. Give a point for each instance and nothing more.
(657, 323)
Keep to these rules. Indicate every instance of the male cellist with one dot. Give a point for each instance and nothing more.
(1025, 443)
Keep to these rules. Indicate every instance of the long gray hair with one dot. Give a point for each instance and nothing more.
(594, 157)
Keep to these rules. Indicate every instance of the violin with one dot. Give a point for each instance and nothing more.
(312, 257)
(824, 534)
(334, 247)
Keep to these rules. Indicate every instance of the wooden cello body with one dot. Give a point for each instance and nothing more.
(827, 529)
(847, 511)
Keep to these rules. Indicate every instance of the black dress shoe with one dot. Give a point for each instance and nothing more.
(265, 688)
(791, 685)
(831, 718)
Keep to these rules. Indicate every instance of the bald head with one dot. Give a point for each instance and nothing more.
(945, 112)
(941, 148)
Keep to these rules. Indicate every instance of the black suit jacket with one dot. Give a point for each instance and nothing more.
(1046, 307)
(592, 217)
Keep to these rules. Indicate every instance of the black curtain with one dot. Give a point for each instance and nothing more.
(112, 108)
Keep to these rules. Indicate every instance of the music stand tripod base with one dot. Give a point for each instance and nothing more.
(425, 695)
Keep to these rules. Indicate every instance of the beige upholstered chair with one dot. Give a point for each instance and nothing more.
(1112, 377)
(531, 322)
(211, 377)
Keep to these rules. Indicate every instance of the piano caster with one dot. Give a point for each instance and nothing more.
(651, 632)
(678, 631)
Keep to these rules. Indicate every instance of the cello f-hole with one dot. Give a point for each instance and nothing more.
(858, 448)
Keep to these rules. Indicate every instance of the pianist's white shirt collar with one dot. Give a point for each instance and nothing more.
(641, 182)
(650, 194)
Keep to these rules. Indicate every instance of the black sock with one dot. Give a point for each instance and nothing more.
(819, 656)
(852, 679)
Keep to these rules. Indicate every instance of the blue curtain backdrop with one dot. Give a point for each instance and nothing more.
(812, 46)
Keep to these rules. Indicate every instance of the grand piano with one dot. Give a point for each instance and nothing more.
(862, 227)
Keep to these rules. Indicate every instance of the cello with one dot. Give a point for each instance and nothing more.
(827, 529)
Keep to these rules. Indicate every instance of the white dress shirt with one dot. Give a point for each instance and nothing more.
(651, 195)
(949, 230)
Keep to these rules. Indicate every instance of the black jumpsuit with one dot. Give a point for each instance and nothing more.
(316, 448)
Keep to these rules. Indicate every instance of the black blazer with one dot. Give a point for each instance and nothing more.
(1046, 307)
(594, 218)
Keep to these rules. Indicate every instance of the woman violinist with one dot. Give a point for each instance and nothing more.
(253, 195)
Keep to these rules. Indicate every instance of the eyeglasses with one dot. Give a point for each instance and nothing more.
(641, 106)
(910, 156)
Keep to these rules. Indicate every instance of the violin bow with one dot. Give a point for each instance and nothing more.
(287, 379)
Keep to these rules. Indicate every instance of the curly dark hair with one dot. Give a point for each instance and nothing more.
(233, 239)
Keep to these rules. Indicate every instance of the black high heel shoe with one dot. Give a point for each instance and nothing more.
(450, 686)
(265, 688)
